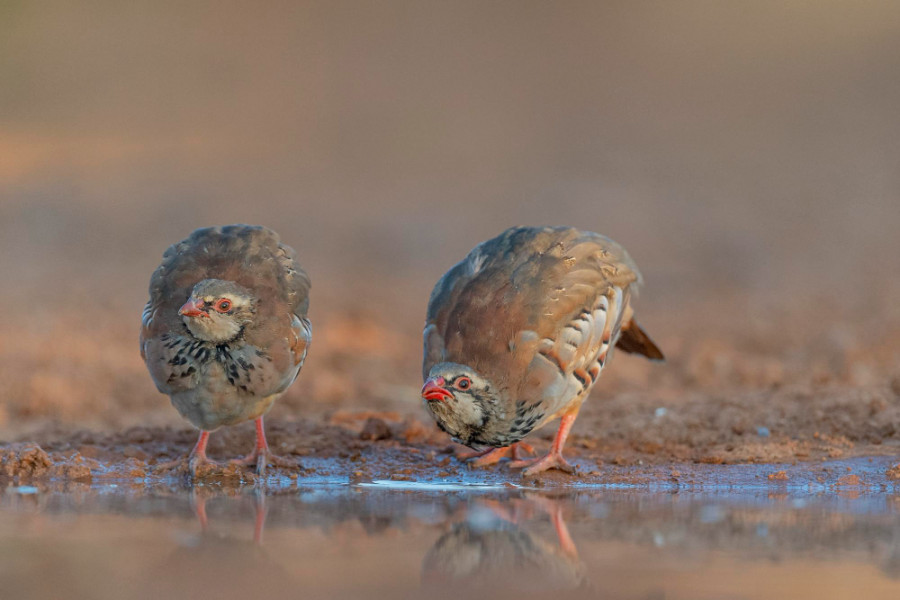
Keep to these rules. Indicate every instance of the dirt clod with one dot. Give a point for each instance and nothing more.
(894, 473)
(24, 460)
(849, 480)
(375, 429)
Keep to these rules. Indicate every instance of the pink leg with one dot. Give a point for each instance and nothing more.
(562, 533)
(261, 455)
(196, 459)
(262, 445)
(492, 456)
(199, 451)
(200, 510)
(260, 521)
(554, 459)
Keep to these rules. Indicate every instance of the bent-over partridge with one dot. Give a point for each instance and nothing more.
(225, 331)
(518, 332)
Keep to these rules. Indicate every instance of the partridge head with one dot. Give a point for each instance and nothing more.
(459, 398)
(217, 311)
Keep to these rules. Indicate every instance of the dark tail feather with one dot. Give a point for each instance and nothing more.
(634, 341)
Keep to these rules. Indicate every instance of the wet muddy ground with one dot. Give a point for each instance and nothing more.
(364, 446)
(380, 507)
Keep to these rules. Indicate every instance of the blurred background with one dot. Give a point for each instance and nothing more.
(747, 155)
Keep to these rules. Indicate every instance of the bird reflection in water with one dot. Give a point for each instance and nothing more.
(198, 502)
(215, 562)
(489, 548)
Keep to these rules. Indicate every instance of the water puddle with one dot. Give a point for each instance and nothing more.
(404, 539)
(425, 486)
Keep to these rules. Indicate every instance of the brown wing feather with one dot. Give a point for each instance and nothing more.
(526, 279)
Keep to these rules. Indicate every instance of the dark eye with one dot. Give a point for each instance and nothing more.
(223, 305)
(463, 383)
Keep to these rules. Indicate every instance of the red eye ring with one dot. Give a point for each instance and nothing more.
(223, 305)
(463, 383)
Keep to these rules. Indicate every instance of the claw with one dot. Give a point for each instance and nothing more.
(261, 456)
(194, 462)
(539, 465)
(197, 463)
(490, 458)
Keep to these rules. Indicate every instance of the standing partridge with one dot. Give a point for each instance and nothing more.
(518, 332)
(225, 330)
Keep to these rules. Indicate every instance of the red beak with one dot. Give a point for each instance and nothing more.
(192, 308)
(434, 390)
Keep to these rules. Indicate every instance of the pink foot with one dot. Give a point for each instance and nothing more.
(262, 458)
(486, 458)
(470, 454)
(193, 464)
(553, 460)
(196, 462)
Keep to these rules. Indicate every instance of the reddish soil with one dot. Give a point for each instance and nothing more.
(751, 391)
